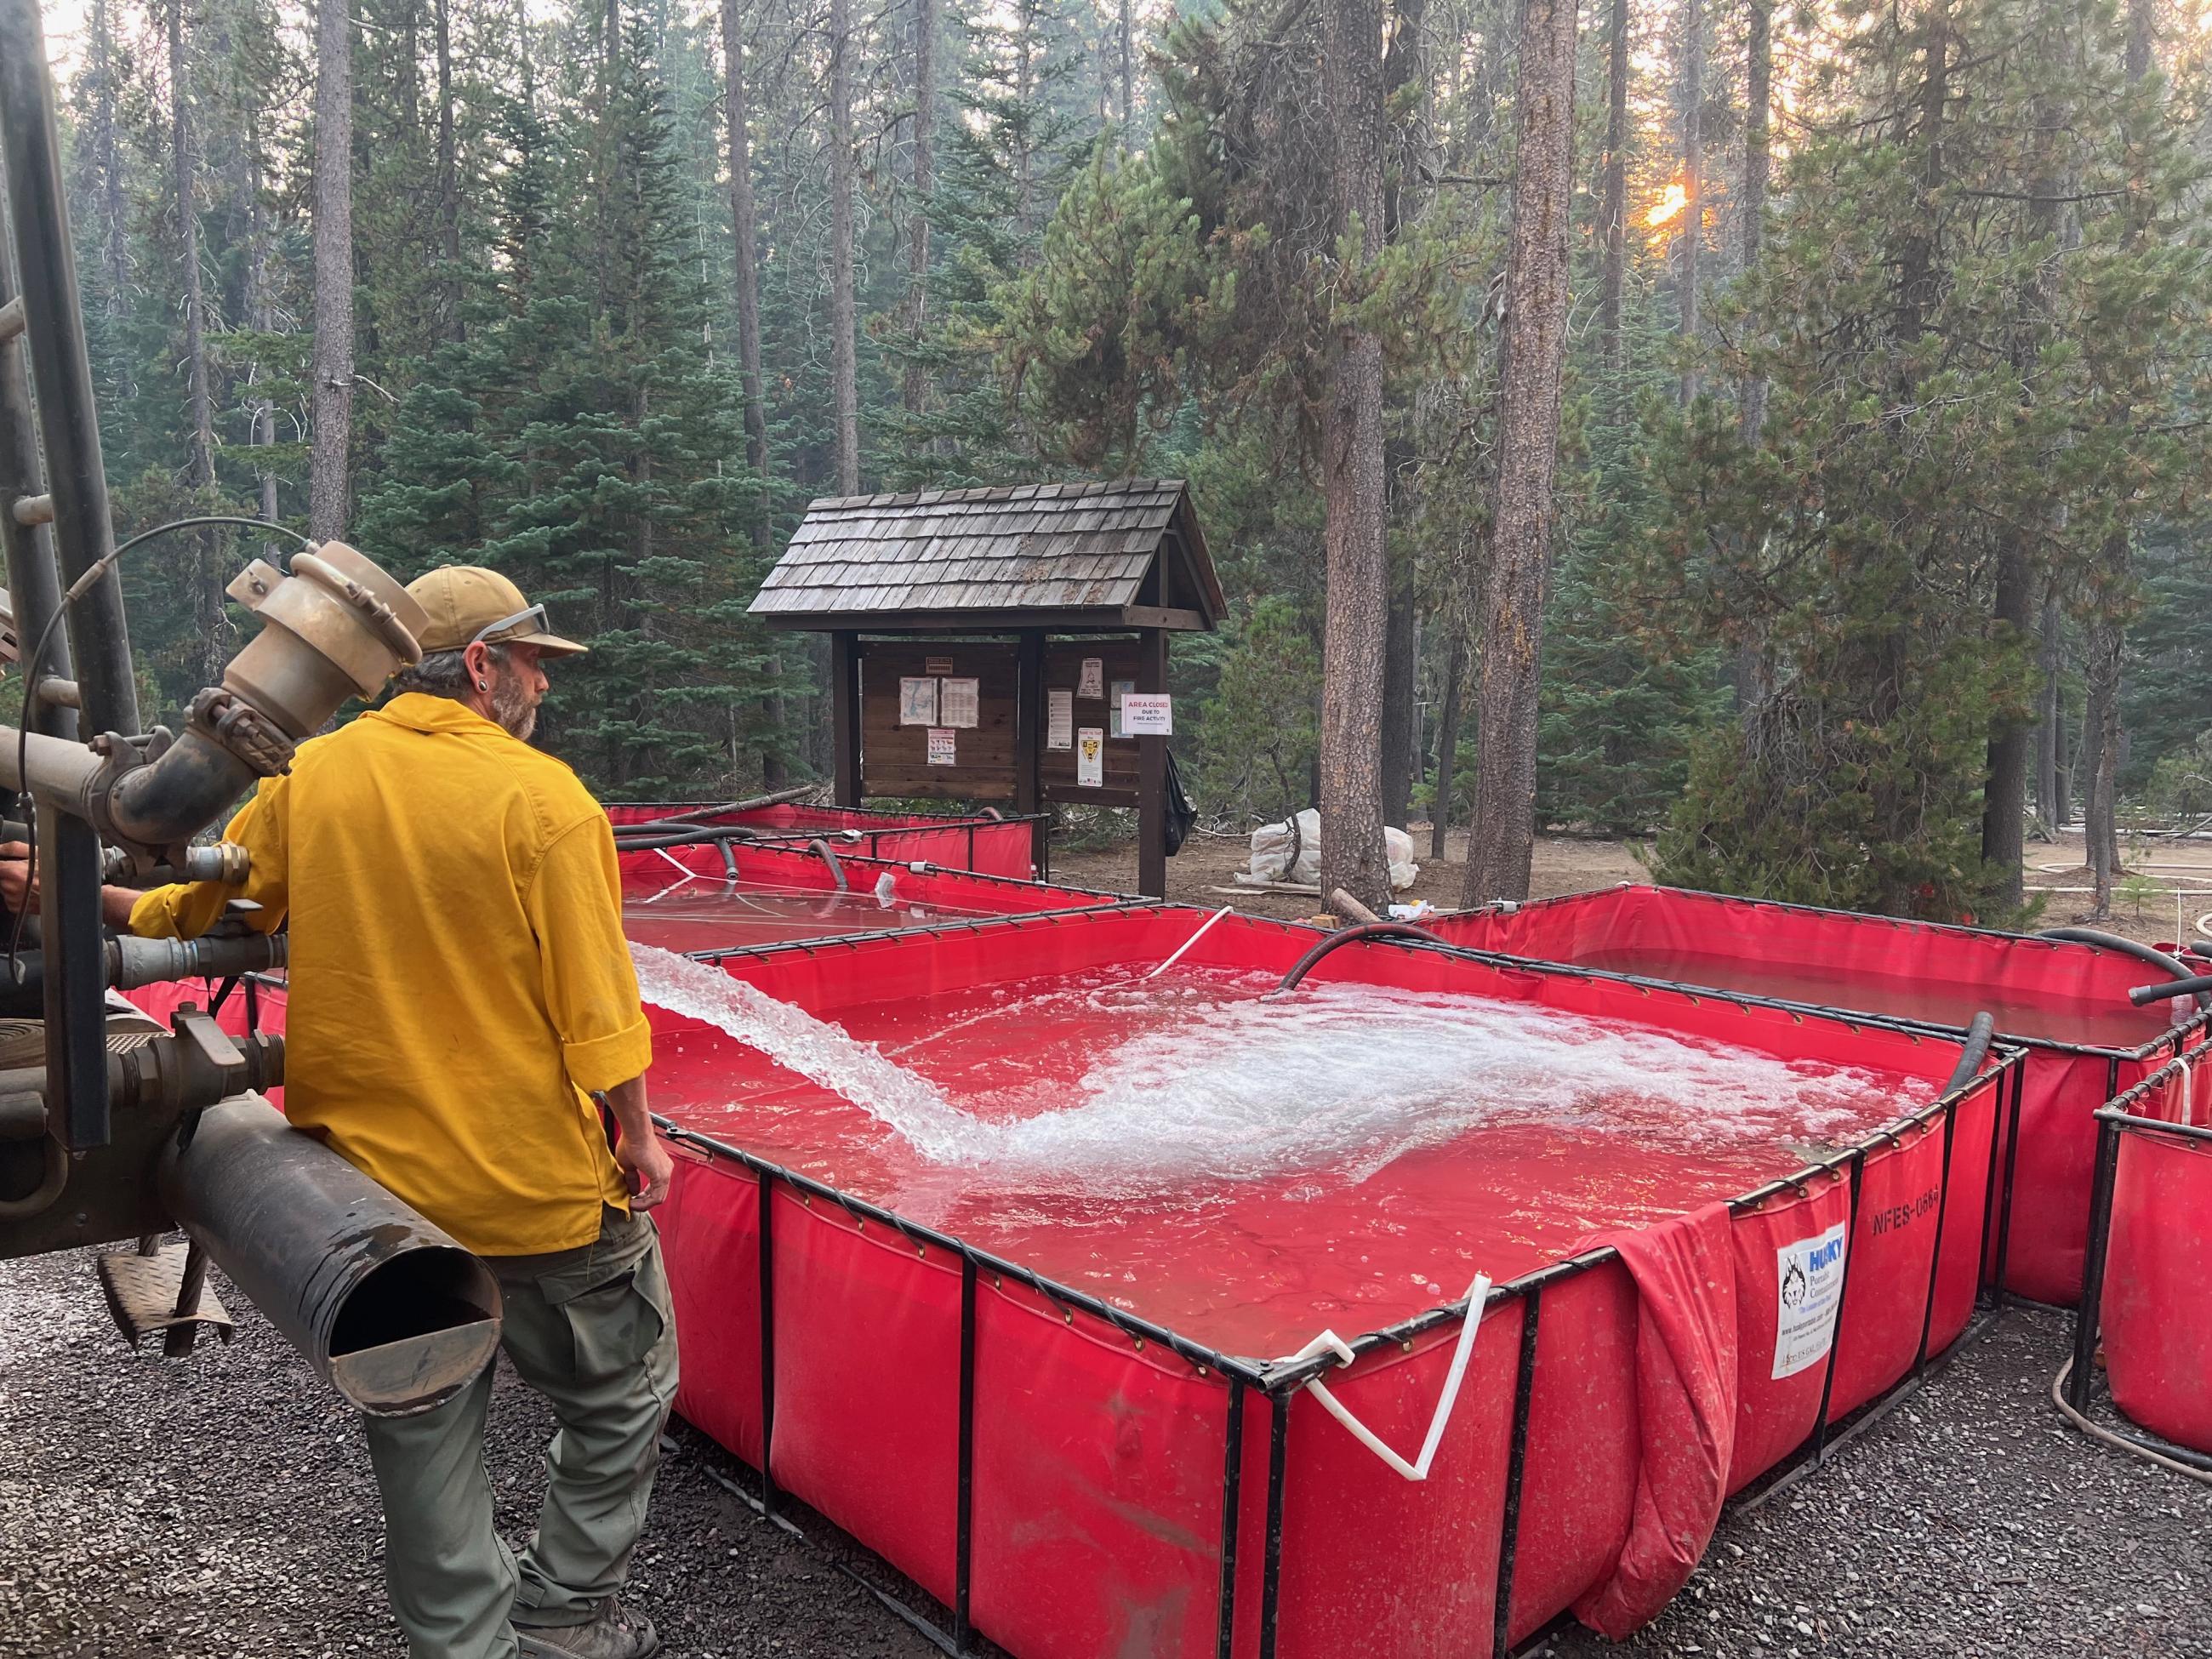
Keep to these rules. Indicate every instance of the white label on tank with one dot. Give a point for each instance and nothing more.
(1810, 1276)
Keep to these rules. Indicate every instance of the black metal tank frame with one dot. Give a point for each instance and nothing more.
(2115, 1120)
(2051, 937)
(1279, 1383)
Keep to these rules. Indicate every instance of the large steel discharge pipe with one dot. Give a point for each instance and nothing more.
(335, 626)
(390, 1311)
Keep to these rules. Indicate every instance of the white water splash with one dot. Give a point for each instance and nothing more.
(1340, 1078)
(799, 1043)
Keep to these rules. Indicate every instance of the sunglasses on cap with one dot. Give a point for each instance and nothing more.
(529, 620)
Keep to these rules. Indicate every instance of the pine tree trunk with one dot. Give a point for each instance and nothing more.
(844, 367)
(745, 268)
(1502, 840)
(2004, 799)
(1357, 579)
(1400, 673)
(1128, 69)
(199, 463)
(331, 396)
(1448, 744)
(1024, 89)
(745, 276)
(2050, 803)
(1759, 98)
(107, 167)
(260, 317)
(2100, 742)
(917, 389)
(449, 181)
(1403, 66)
(207, 580)
(2100, 736)
(2004, 795)
(1693, 182)
(1615, 273)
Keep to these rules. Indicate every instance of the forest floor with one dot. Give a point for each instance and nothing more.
(2168, 884)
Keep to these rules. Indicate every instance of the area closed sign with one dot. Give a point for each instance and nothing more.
(1148, 715)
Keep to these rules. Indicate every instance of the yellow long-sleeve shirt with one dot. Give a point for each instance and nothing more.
(459, 975)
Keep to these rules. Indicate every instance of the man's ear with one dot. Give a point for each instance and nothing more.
(476, 657)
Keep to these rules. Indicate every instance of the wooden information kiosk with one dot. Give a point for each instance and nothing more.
(982, 643)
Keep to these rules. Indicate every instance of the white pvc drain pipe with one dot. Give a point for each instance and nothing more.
(1329, 1341)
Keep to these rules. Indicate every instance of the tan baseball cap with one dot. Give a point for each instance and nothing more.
(466, 603)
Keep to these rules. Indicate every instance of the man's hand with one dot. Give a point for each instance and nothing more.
(16, 877)
(640, 1156)
(650, 1169)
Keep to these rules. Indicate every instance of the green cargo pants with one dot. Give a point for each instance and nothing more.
(592, 1330)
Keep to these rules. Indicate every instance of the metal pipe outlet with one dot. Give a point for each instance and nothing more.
(396, 1315)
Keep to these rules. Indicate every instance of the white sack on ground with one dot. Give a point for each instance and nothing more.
(1288, 854)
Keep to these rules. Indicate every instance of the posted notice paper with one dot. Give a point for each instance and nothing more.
(1060, 719)
(942, 746)
(917, 701)
(957, 703)
(1091, 757)
(1148, 715)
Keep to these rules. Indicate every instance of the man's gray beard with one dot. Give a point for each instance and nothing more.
(511, 707)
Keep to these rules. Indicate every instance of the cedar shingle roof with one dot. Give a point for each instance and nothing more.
(981, 554)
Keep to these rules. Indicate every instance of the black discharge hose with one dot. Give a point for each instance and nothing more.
(2186, 983)
(830, 858)
(1977, 1051)
(655, 837)
(1366, 930)
(2196, 985)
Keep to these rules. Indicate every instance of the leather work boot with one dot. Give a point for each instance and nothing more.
(611, 1632)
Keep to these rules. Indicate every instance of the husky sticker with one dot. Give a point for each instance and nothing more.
(1810, 1278)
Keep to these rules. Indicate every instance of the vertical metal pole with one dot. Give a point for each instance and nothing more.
(971, 849)
(1835, 1335)
(766, 1235)
(1232, 1490)
(1935, 1262)
(2092, 1304)
(253, 1005)
(1271, 1567)
(1516, 1462)
(61, 367)
(2011, 1159)
(74, 996)
(1985, 1262)
(964, 1501)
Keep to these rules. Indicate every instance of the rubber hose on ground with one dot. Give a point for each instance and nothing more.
(2097, 1432)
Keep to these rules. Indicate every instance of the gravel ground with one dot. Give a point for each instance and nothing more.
(223, 1506)
(1971, 1520)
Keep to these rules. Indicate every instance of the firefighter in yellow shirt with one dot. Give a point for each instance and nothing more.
(460, 991)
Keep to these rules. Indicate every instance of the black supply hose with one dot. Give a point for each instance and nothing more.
(2196, 985)
(1304, 964)
(1977, 1051)
(830, 858)
(2143, 953)
(653, 837)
